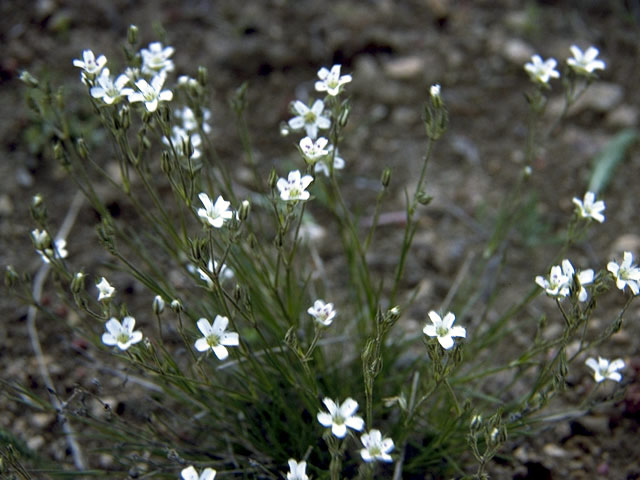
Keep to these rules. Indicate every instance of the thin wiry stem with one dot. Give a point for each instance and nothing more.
(38, 284)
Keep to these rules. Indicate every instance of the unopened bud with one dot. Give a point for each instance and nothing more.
(343, 116)
(176, 306)
(60, 155)
(77, 284)
(11, 277)
(82, 149)
(125, 117)
(132, 35)
(244, 210)
(203, 75)
(385, 179)
(165, 162)
(28, 79)
(273, 178)
(158, 305)
(423, 198)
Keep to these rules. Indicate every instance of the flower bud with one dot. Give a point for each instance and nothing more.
(245, 209)
(158, 305)
(28, 79)
(203, 75)
(125, 117)
(77, 284)
(273, 178)
(343, 116)
(11, 277)
(60, 154)
(165, 163)
(423, 198)
(385, 179)
(82, 148)
(132, 35)
(176, 306)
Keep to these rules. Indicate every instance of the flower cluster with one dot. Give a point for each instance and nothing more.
(563, 279)
(541, 71)
(46, 249)
(155, 65)
(340, 416)
(316, 151)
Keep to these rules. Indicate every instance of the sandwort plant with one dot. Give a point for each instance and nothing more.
(247, 356)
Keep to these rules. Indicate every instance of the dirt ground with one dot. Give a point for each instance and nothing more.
(395, 50)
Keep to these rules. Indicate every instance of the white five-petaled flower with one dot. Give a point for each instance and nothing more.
(376, 447)
(589, 208)
(603, 369)
(225, 273)
(297, 470)
(313, 151)
(155, 59)
(108, 90)
(121, 335)
(311, 119)
(294, 187)
(151, 94)
(340, 416)
(190, 121)
(561, 281)
(190, 473)
(214, 214)
(443, 329)
(322, 165)
(105, 290)
(331, 81)
(179, 139)
(322, 312)
(215, 337)
(585, 63)
(626, 273)
(90, 65)
(541, 71)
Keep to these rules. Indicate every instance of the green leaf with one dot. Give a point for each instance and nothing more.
(605, 163)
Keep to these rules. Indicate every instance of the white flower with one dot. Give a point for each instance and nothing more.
(179, 139)
(540, 71)
(214, 215)
(443, 329)
(215, 337)
(156, 59)
(585, 63)
(561, 281)
(434, 91)
(90, 65)
(190, 122)
(41, 239)
(626, 274)
(589, 208)
(212, 267)
(340, 417)
(151, 94)
(331, 81)
(310, 119)
(105, 290)
(121, 335)
(323, 313)
(190, 473)
(297, 470)
(602, 369)
(108, 90)
(322, 165)
(294, 188)
(313, 151)
(375, 447)
(46, 249)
